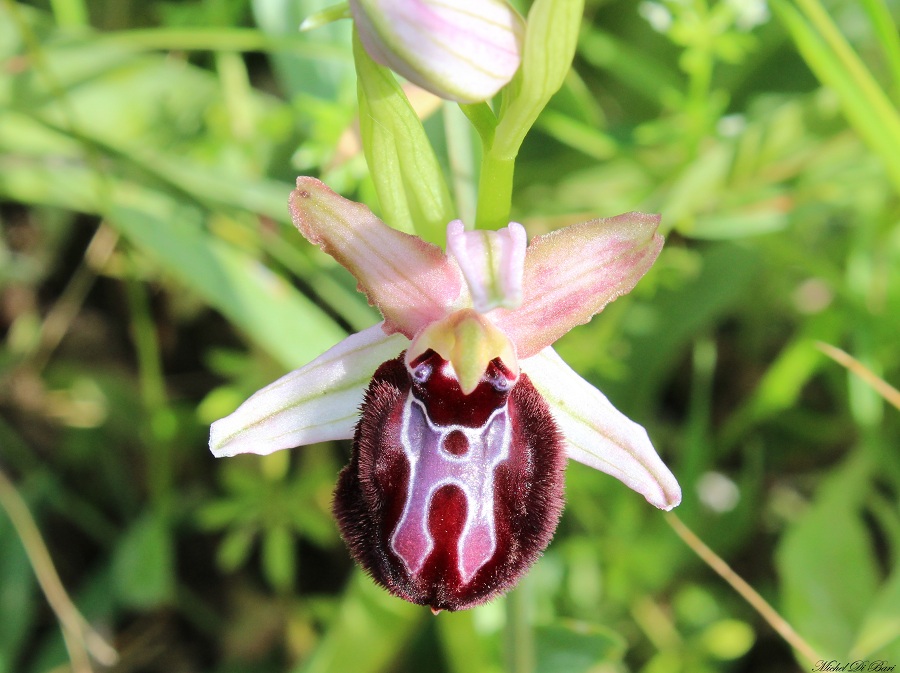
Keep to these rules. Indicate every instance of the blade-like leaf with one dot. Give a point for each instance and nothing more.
(408, 179)
(834, 62)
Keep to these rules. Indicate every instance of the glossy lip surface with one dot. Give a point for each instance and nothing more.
(433, 467)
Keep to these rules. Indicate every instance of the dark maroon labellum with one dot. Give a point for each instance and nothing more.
(449, 498)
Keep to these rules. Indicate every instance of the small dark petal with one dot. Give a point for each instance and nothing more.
(527, 490)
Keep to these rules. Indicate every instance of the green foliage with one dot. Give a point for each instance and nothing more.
(408, 179)
(574, 648)
(17, 586)
(143, 565)
(547, 52)
(150, 281)
(814, 557)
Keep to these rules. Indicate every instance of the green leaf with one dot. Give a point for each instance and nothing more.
(736, 225)
(832, 59)
(780, 387)
(678, 316)
(70, 13)
(578, 135)
(642, 71)
(483, 119)
(690, 191)
(576, 647)
(550, 41)
(262, 304)
(728, 639)
(235, 548)
(269, 310)
(144, 563)
(218, 514)
(369, 621)
(326, 16)
(18, 595)
(885, 29)
(210, 38)
(278, 558)
(466, 650)
(408, 179)
(825, 560)
(880, 632)
(306, 73)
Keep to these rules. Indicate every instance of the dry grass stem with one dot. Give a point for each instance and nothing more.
(80, 638)
(843, 358)
(748, 593)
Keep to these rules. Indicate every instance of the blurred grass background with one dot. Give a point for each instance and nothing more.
(150, 281)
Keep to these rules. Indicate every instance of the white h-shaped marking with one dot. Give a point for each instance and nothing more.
(431, 467)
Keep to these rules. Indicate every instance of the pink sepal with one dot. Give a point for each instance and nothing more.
(572, 273)
(409, 280)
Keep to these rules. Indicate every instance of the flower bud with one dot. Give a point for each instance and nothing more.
(464, 50)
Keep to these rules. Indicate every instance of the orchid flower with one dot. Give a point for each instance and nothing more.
(462, 415)
(463, 51)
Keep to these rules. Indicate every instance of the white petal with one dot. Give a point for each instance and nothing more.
(411, 281)
(316, 403)
(599, 435)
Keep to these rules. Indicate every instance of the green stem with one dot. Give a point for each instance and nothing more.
(217, 39)
(700, 77)
(153, 390)
(143, 332)
(748, 593)
(483, 119)
(519, 638)
(80, 636)
(70, 13)
(463, 162)
(494, 192)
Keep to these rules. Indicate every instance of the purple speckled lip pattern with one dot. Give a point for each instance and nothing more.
(432, 467)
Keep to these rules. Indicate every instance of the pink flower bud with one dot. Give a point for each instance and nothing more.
(464, 50)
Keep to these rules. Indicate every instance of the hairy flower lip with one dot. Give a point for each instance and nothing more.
(464, 51)
(567, 276)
